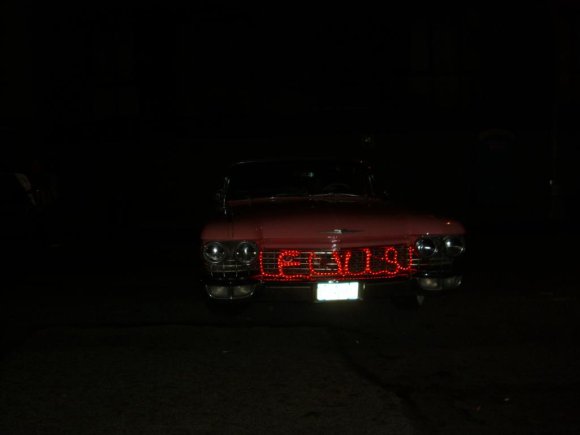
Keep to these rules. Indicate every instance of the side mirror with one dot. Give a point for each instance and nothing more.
(220, 200)
(219, 196)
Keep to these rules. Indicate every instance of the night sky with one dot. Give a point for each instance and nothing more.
(135, 111)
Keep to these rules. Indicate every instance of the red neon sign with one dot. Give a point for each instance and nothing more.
(296, 265)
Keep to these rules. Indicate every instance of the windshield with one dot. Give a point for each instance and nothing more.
(298, 178)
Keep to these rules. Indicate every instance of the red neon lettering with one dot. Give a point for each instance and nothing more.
(342, 265)
(387, 265)
(410, 261)
(284, 262)
(263, 272)
(312, 270)
(368, 256)
(391, 260)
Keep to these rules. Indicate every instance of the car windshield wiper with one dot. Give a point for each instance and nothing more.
(334, 194)
(281, 195)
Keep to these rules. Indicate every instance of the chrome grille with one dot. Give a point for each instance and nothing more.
(325, 266)
(436, 264)
(230, 269)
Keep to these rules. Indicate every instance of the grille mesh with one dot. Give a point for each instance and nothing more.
(231, 269)
(325, 266)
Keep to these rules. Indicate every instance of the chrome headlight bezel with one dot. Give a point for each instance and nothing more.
(426, 246)
(246, 252)
(453, 245)
(214, 252)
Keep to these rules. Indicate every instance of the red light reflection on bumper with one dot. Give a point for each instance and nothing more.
(386, 265)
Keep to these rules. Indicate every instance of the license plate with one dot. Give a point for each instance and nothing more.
(337, 291)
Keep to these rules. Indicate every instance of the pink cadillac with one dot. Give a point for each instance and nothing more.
(317, 230)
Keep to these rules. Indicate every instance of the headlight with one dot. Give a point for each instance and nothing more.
(426, 247)
(454, 245)
(246, 252)
(214, 252)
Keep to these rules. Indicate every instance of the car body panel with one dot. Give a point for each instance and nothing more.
(313, 222)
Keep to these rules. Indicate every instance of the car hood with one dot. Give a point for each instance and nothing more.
(345, 222)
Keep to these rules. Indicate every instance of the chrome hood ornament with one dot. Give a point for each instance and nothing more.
(340, 231)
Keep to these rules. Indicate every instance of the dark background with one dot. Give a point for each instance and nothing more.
(123, 118)
(127, 115)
